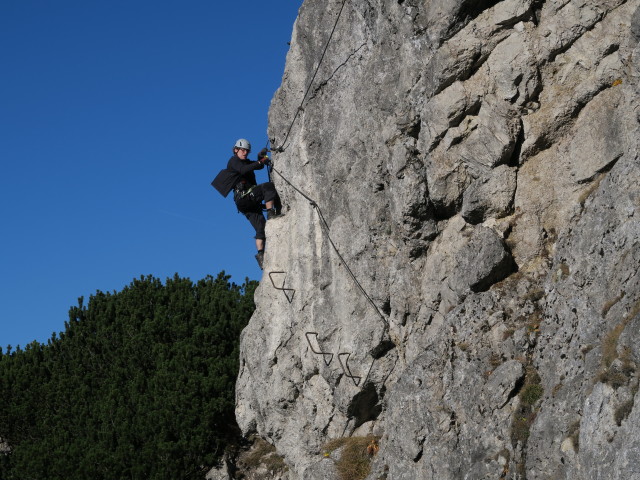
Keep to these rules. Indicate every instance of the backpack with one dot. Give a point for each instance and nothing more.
(225, 180)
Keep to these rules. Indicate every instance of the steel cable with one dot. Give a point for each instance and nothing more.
(325, 227)
(315, 73)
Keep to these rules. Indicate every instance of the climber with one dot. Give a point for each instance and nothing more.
(240, 177)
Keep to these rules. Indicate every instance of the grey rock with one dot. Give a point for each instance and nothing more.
(325, 469)
(4, 447)
(490, 196)
(218, 473)
(502, 383)
(476, 166)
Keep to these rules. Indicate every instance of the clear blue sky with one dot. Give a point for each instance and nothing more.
(115, 115)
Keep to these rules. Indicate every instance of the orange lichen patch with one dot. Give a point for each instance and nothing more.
(373, 447)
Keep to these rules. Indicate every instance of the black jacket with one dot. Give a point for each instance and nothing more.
(237, 172)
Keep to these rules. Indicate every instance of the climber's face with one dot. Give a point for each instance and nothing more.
(242, 153)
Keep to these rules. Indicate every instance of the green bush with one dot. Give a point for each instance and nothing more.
(140, 385)
(531, 393)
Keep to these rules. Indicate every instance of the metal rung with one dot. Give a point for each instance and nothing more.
(317, 352)
(284, 290)
(346, 370)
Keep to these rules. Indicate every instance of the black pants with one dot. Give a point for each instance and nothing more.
(250, 206)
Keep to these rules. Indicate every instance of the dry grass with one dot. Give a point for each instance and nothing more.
(495, 360)
(610, 343)
(531, 394)
(634, 312)
(263, 454)
(613, 378)
(533, 323)
(617, 377)
(586, 193)
(574, 434)
(556, 389)
(355, 458)
(586, 349)
(521, 425)
(508, 333)
(525, 415)
(607, 306)
(333, 445)
(623, 411)
(534, 295)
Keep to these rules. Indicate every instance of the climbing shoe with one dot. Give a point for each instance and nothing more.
(260, 258)
(272, 213)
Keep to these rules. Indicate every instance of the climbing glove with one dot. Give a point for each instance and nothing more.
(262, 157)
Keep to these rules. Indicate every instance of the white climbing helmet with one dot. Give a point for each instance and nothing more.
(243, 143)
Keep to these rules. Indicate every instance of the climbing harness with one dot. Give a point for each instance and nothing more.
(243, 194)
(304, 97)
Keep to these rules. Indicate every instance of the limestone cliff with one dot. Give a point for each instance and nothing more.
(477, 166)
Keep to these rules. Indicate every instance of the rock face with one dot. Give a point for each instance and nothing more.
(464, 281)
